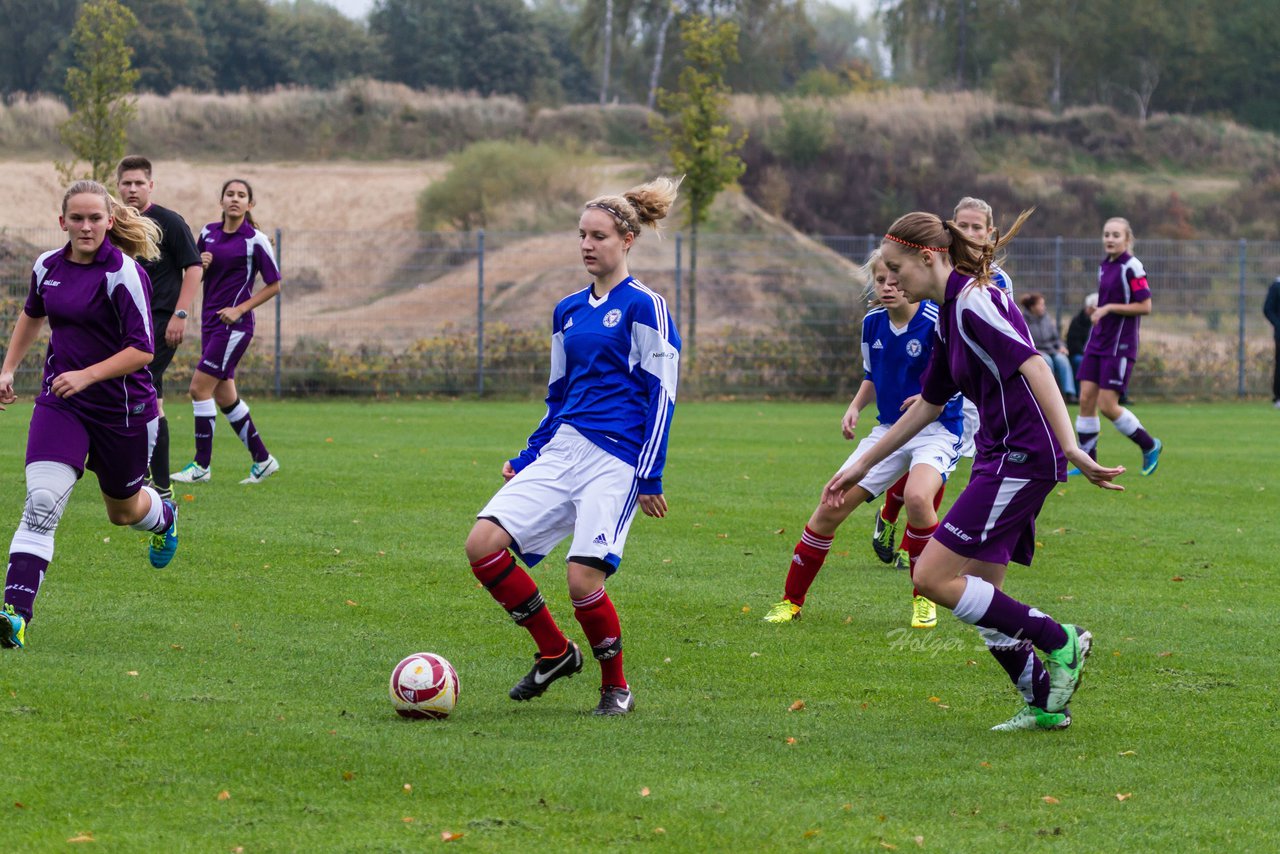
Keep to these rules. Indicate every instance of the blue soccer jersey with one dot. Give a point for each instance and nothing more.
(615, 361)
(894, 358)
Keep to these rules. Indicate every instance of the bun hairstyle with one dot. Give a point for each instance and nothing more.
(926, 232)
(640, 206)
(136, 235)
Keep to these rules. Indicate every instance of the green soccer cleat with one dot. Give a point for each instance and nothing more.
(902, 560)
(192, 473)
(924, 613)
(1151, 458)
(13, 629)
(1066, 666)
(1033, 718)
(783, 612)
(883, 538)
(165, 545)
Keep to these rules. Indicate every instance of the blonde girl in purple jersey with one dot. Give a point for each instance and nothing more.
(985, 351)
(234, 253)
(1124, 297)
(96, 408)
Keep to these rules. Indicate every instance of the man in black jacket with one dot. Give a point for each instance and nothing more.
(1271, 308)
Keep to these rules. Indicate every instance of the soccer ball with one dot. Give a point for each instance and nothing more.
(424, 685)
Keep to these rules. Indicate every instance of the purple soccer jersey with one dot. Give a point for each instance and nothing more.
(238, 258)
(984, 342)
(1122, 281)
(95, 310)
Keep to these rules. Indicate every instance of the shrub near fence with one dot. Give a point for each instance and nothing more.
(468, 313)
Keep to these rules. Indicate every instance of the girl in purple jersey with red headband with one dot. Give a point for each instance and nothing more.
(1123, 298)
(96, 408)
(234, 253)
(985, 351)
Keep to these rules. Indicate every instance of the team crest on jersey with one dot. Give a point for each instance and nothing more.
(611, 319)
(913, 347)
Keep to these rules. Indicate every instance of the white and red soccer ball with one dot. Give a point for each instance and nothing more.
(424, 685)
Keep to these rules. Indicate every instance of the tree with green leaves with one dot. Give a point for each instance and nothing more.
(700, 140)
(100, 86)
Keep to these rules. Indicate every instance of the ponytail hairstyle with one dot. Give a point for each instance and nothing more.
(867, 273)
(926, 232)
(639, 206)
(978, 205)
(1128, 230)
(248, 214)
(136, 235)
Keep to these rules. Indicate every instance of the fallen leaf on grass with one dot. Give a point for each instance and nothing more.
(791, 740)
(450, 836)
(781, 531)
(847, 807)
(188, 497)
(888, 845)
(20, 805)
(918, 840)
(935, 699)
(352, 604)
(644, 793)
(798, 705)
(328, 439)
(809, 834)
(408, 787)
(722, 536)
(1177, 578)
(82, 837)
(1050, 799)
(755, 655)
(224, 795)
(1128, 753)
(659, 830)
(407, 819)
(1124, 797)
(984, 764)
(746, 609)
(132, 673)
(348, 775)
(848, 619)
(1163, 654)
(106, 539)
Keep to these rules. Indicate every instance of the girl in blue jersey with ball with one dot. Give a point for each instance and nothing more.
(597, 454)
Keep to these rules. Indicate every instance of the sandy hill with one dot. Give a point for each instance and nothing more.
(356, 273)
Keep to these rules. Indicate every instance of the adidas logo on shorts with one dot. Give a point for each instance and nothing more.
(601, 540)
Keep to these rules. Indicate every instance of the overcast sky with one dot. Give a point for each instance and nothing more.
(359, 8)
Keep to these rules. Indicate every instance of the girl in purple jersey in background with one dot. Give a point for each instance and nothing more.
(984, 351)
(234, 253)
(1123, 298)
(96, 408)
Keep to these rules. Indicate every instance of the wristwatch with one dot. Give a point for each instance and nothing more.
(181, 314)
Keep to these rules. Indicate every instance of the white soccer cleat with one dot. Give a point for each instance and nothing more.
(192, 473)
(259, 472)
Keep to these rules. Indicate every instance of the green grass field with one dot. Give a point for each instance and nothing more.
(238, 699)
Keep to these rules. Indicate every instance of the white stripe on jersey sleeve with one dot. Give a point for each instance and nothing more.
(557, 359)
(978, 301)
(655, 354)
(40, 268)
(260, 239)
(128, 276)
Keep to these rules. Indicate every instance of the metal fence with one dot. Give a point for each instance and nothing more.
(469, 313)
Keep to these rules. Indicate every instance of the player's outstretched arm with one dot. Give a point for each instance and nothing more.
(911, 423)
(1045, 388)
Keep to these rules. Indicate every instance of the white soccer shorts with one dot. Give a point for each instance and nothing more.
(934, 446)
(971, 424)
(572, 488)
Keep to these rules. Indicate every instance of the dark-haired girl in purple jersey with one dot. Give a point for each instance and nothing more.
(985, 351)
(1123, 298)
(234, 253)
(96, 408)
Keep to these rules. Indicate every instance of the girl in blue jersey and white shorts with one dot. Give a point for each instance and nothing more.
(985, 351)
(597, 454)
(96, 408)
(897, 337)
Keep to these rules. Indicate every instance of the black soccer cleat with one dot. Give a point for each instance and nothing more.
(547, 670)
(615, 701)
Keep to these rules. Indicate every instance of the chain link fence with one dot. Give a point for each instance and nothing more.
(468, 313)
